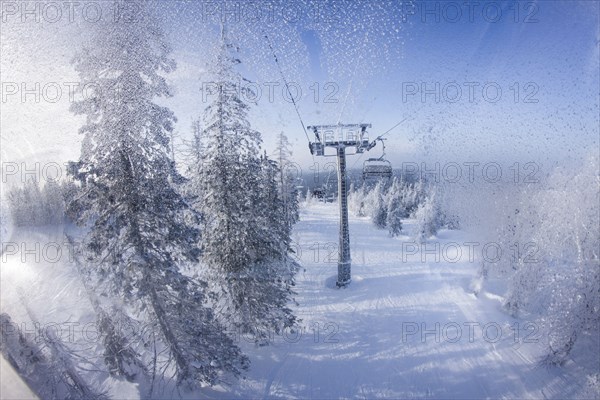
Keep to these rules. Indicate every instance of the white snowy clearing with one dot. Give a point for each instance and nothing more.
(11, 385)
(404, 328)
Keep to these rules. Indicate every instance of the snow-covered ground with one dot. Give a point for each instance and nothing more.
(404, 328)
(11, 385)
(380, 349)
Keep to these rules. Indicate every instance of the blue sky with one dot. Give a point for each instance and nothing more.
(373, 60)
(542, 55)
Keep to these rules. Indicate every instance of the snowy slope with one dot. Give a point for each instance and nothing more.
(365, 341)
(368, 357)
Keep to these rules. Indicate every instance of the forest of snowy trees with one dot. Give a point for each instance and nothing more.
(245, 224)
(550, 229)
(182, 259)
(189, 256)
(387, 203)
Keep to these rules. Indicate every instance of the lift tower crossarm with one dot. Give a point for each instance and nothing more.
(313, 127)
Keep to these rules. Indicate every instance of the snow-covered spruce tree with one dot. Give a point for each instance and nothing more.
(377, 205)
(413, 194)
(266, 285)
(53, 202)
(194, 153)
(25, 204)
(245, 233)
(515, 232)
(429, 218)
(308, 198)
(395, 211)
(356, 200)
(568, 244)
(138, 232)
(31, 205)
(286, 179)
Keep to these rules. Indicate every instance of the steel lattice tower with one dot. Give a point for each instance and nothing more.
(340, 137)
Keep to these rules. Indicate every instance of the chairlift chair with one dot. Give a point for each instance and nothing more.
(377, 168)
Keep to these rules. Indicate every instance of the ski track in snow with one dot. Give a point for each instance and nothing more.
(350, 343)
(371, 359)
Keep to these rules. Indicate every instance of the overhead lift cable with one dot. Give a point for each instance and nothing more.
(378, 138)
(287, 87)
